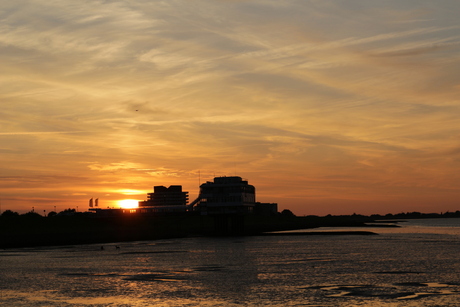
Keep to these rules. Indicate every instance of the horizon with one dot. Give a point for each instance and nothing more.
(412, 213)
(326, 108)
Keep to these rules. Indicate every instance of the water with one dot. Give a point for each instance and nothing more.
(416, 265)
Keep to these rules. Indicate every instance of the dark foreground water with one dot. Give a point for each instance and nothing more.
(416, 265)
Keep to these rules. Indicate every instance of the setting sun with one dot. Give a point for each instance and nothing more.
(128, 203)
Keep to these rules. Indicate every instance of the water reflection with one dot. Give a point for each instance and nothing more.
(393, 269)
(441, 226)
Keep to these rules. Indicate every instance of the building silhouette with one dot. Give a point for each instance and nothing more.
(222, 196)
(163, 196)
(229, 195)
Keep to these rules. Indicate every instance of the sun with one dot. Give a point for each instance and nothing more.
(128, 203)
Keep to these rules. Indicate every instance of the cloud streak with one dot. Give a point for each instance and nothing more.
(39, 132)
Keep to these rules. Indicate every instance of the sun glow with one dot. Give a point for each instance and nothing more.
(128, 203)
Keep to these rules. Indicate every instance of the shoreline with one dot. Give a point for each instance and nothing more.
(263, 234)
(82, 230)
(17, 232)
(321, 233)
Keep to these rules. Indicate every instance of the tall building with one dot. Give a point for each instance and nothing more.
(229, 195)
(163, 196)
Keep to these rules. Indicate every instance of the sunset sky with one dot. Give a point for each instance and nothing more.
(335, 106)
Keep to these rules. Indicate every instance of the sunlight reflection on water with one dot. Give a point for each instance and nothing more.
(407, 266)
(448, 226)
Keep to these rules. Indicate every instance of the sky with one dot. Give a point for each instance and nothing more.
(326, 107)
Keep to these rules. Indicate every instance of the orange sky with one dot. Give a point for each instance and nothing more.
(333, 107)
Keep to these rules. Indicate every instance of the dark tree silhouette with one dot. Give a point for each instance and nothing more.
(31, 214)
(287, 212)
(9, 213)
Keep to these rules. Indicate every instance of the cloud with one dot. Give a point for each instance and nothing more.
(114, 166)
(39, 132)
(164, 172)
(422, 48)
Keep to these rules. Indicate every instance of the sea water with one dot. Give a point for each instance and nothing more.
(414, 265)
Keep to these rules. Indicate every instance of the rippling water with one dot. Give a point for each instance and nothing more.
(415, 265)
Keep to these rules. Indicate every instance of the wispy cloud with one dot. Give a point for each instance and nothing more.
(39, 132)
